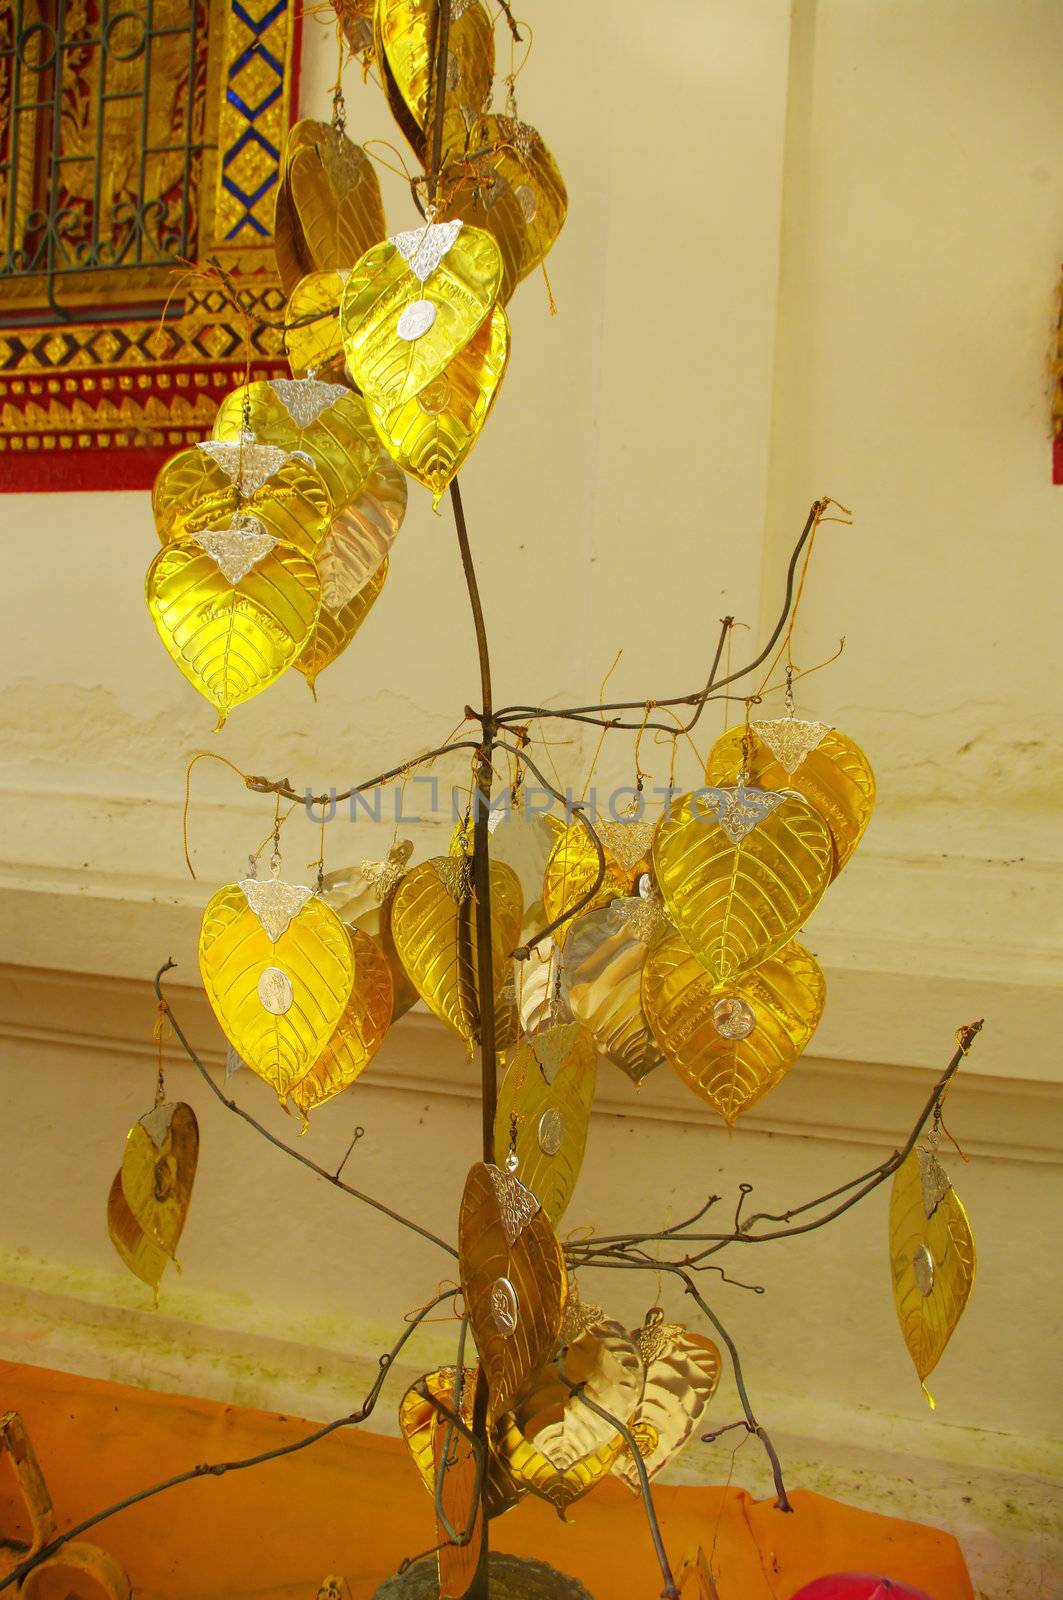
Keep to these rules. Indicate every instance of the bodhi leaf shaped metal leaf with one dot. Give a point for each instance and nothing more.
(433, 924)
(554, 1444)
(573, 866)
(601, 976)
(193, 493)
(682, 1372)
(362, 534)
(740, 870)
(400, 331)
(551, 1112)
(232, 639)
(145, 1259)
(158, 1171)
(325, 421)
(431, 434)
(312, 335)
(404, 33)
(512, 1280)
(362, 896)
(278, 999)
(731, 1044)
(335, 199)
(421, 1424)
(334, 630)
(834, 776)
(360, 1033)
(515, 192)
(932, 1259)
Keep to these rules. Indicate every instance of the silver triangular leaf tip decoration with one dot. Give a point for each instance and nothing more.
(275, 903)
(423, 249)
(306, 399)
(245, 462)
(627, 840)
(738, 810)
(516, 1204)
(237, 548)
(791, 739)
(233, 1063)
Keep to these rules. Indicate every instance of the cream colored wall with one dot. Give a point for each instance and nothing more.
(805, 255)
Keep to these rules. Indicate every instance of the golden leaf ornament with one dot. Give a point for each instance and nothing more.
(325, 421)
(433, 924)
(459, 1510)
(362, 897)
(360, 1033)
(682, 1370)
(430, 434)
(335, 199)
(512, 1280)
(817, 761)
(523, 838)
(552, 1442)
(601, 978)
(233, 608)
(421, 1423)
(573, 866)
(312, 337)
(361, 534)
(544, 1107)
(158, 1171)
(278, 969)
(732, 1043)
(333, 630)
(412, 303)
(199, 490)
(404, 40)
(516, 194)
(144, 1258)
(932, 1258)
(740, 870)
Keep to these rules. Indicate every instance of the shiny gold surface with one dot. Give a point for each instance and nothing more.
(602, 984)
(192, 493)
(928, 1320)
(430, 435)
(548, 1162)
(362, 897)
(391, 370)
(316, 954)
(787, 993)
(454, 1460)
(420, 1422)
(554, 1444)
(333, 630)
(682, 1372)
(360, 1033)
(403, 34)
(835, 778)
(333, 195)
(315, 345)
(518, 197)
(434, 930)
(158, 1171)
(530, 1262)
(231, 641)
(737, 904)
(573, 867)
(362, 533)
(340, 441)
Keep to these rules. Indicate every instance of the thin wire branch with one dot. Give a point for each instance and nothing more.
(218, 1469)
(296, 1155)
(285, 790)
(669, 1592)
(597, 715)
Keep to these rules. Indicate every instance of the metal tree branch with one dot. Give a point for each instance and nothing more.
(296, 1155)
(218, 1469)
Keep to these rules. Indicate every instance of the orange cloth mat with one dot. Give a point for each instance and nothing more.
(353, 1506)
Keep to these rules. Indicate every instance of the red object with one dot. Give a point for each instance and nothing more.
(857, 1586)
(1057, 458)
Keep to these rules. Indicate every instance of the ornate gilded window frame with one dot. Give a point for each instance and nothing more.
(97, 386)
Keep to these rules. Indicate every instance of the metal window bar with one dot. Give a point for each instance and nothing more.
(48, 63)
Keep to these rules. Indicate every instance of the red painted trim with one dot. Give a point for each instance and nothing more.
(58, 471)
(1057, 458)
